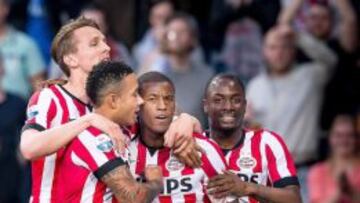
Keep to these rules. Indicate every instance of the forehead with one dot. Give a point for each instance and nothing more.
(156, 88)
(224, 86)
(87, 33)
(319, 10)
(179, 23)
(273, 38)
(161, 7)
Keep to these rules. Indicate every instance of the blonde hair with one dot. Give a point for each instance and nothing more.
(63, 42)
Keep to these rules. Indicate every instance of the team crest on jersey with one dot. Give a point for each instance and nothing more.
(32, 112)
(173, 164)
(104, 143)
(246, 162)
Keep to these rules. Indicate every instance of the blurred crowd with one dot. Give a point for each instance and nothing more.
(299, 59)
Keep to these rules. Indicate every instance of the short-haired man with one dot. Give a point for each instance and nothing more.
(92, 158)
(253, 157)
(181, 183)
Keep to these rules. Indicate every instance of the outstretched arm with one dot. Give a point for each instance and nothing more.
(37, 141)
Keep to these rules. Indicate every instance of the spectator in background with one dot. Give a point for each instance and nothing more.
(189, 75)
(148, 53)
(288, 96)
(339, 32)
(160, 10)
(12, 116)
(23, 64)
(118, 51)
(241, 53)
(337, 180)
(224, 12)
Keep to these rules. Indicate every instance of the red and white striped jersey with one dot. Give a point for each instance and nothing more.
(262, 157)
(87, 159)
(48, 108)
(181, 183)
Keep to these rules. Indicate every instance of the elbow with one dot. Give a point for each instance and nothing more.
(27, 150)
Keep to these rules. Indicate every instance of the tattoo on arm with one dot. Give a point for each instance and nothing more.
(126, 189)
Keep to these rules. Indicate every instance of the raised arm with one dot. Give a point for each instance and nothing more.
(317, 50)
(288, 12)
(348, 25)
(126, 189)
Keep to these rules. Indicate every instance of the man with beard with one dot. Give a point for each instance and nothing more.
(253, 157)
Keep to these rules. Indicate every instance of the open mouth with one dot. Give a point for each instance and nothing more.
(228, 118)
(161, 117)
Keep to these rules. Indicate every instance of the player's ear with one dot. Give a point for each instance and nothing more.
(205, 105)
(111, 100)
(70, 60)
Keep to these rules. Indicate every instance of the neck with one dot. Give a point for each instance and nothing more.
(278, 74)
(103, 111)
(76, 86)
(227, 139)
(152, 139)
(341, 159)
(180, 62)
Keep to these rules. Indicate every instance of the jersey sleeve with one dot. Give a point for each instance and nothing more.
(96, 153)
(213, 163)
(281, 166)
(213, 159)
(41, 110)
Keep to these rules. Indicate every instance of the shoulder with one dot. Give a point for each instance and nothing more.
(43, 94)
(257, 81)
(266, 137)
(208, 145)
(94, 139)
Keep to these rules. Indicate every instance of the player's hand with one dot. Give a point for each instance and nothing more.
(188, 151)
(153, 173)
(227, 184)
(184, 125)
(119, 140)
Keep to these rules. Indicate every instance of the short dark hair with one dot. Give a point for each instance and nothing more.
(105, 75)
(153, 76)
(228, 76)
